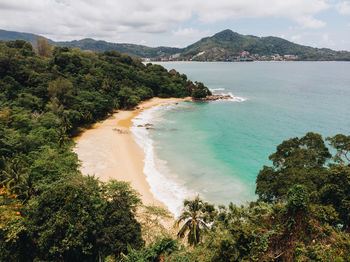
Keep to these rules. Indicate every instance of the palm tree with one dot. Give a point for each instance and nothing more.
(15, 176)
(194, 217)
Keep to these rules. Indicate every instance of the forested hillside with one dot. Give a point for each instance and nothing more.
(222, 46)
(130, 49)
(50, 212)
(12, 35)
(225, 44)
(302, 213)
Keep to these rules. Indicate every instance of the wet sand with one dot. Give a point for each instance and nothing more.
(108, 150)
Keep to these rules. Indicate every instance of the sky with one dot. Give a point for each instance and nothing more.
(178, 23)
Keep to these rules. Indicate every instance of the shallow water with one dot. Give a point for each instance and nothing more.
(217, 148)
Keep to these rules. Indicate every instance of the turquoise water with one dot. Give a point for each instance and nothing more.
(216, 149)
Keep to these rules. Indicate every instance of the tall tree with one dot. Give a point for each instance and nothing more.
(43, 47)
(296, 161)
(195, 216)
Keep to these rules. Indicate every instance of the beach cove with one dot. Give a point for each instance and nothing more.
(109, 151)
(216, 149)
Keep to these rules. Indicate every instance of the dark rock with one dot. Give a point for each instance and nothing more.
(215, 97)
(120, 131)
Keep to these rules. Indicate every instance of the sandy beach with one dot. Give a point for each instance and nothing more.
(109, 151)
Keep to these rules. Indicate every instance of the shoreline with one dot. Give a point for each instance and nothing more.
(108, 150)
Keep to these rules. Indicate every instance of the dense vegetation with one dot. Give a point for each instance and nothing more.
(50, 212)
(130, 49)
(218, 47)
(96, 45)
(12, 35)
(302, 213)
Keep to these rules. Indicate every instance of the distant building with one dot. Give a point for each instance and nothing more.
(244, 59)
(241, 58)
(291, 57)
(174, 56)
(277, 57)
(200, 53)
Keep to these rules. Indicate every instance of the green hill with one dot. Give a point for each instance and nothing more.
(11, 35)
(223, 46)
(130, 49)
(96, 45)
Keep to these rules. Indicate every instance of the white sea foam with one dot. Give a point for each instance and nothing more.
(163, 184)
(216, 89)
(232, 99)
(236, 98)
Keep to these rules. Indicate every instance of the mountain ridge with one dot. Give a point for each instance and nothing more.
(225, 45)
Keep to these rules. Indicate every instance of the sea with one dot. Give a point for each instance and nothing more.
(216, 149)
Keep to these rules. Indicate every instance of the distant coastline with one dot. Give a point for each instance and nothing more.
(224, 46)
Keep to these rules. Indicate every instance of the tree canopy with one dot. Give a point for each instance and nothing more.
(50, 212)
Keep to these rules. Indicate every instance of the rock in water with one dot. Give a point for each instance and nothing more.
(215, 97)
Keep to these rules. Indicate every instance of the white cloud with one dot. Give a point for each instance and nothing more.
(186, 32)
(79, 18)
(315, 39)
(190, 32)
(300, 11)
(189, 35)
(296, 38)
(114, 19)
(310, 22)
(343, 7)
(326, 41)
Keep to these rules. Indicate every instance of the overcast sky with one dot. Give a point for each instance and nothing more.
(320, 23)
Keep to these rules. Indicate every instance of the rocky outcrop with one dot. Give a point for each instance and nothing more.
(121, 131)
(145, 125)
(215, 97)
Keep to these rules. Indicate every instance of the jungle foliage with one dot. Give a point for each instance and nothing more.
(50, 212)
(302, 213)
